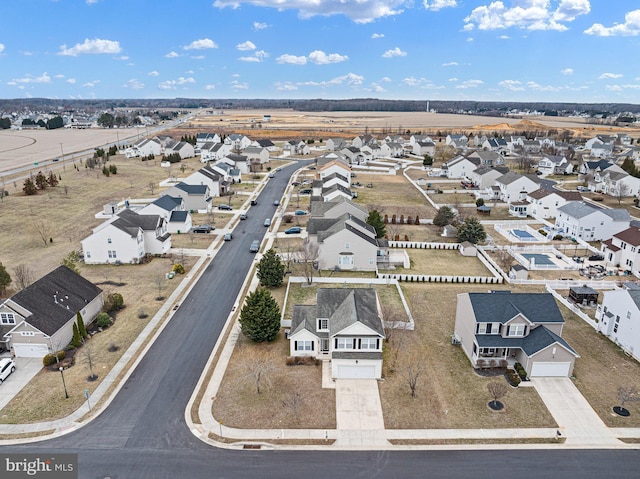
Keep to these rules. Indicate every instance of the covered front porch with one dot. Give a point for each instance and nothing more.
(489, 357)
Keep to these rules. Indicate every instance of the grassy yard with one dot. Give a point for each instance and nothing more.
(192, 240)
(601, 369)
(449, 393)
(238, 404)
(443, 262)
(424, 233)
(43, 398)
(390, 195)
(456, 199)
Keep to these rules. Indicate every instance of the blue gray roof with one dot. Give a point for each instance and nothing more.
(178, 216)
(167, 202)
(502, 306)
(192, 189)
(538, 339)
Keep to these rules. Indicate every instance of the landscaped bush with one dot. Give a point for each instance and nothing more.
(50, 358)
(302, 361)
(557, 238)
(114, 302)
(178, 268)
(512, 377)
(103, 320)
(521, 371)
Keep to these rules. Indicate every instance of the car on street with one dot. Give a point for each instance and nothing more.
(55, 159)
(583, 189)
(293, 230)
(224, 206)
(254, 201)
(267, 222)
(255, 247)
(272, 175)
(276, 203)
(7, 366)
(301, 212)
(203, 229)
(243, 216)
(228, 236)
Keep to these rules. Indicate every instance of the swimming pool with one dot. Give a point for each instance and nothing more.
(523, 235)
(538, 258)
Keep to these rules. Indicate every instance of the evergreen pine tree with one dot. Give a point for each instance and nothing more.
(472, 231)
(82, 330)
(260, 316)
(375, 219)
(270, 270)
(5, 279)
(76, 340)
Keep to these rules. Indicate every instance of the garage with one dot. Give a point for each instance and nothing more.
(356, 372)
(27, 350)
(550, 370)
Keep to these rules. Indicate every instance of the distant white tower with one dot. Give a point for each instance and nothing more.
(428, 106)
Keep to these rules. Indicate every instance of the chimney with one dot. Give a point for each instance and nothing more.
(55, 298)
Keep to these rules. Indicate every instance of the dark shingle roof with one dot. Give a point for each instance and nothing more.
(72, 293)
(538, 339)
(192, 189)
(129, 221)
(346, 306)
(178, 216)
(501, 306)
(168, 203)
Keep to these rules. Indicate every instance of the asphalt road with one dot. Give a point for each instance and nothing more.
(142, 434)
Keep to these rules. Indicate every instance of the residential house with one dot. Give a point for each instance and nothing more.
(515, 143)
(126, 238)
(334, 166)
(266, 143)
(622, 250)
(581, 220)
(228, 174)
(354, 155)
(604, 150)
(619, 317)
(346, 243)
(360, 141)
(590, 168)
(418, 138)
(237, 142)
(391, 149)
(497, 145)
(296, 147)
(172, 210)
(256, 155)
(241, 162)
(144, 147)
(460, 167)
(422, 148)
(203, 138)
(336, 208)
(209, 177)
(345, 326)
(39, 319)
(336, 179)
(165, 141)
(514, 327)
(599, 140)
(514, 186)
(336, 144)
(213, 152)
(485, 176)
(544, 203)
(183, 148)
(395, 139)
(555, 165)
(195, 197)
(336, 191)
(531, 147)
(617, 184)
(456, 139)
(487, 158)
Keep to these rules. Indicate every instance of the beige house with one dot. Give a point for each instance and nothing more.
(39, 319)
(501, 326)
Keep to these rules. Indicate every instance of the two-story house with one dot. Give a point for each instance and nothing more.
(580, 220)
(514, 186)
(544, 204)
(500, 326)
(622, 250)
(619, 317)
(195, 197)
(460, 167)
(344, 326)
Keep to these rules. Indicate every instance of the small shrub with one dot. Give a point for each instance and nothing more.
(178, 268)
(301, 361)
(50, 358)
(557, 238)
(113, 347)
(114, 302)
(521, 371)
(142, 313)
(113, 169)
(103, 320)
(513, 377)
(287, 218)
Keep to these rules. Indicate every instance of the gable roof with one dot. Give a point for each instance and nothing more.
(192, 189)
(347, 306)
(320, 208)
(178, 216)
(539, 338)
(167, 202)
(129, 221)
(55, 299)
(630, 236)
(501, 306)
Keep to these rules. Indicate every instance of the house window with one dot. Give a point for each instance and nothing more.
(371, 261)
(323, 324)
(345, 260)
(628, 314)
(369, 343)
(347, 246)
(7, 318)
(27, 333)
(304, 346)
(112, 254)
(344, 343)
(615, 326)
(633, 249)
(109, 240)
(516, 330)
(87, 254)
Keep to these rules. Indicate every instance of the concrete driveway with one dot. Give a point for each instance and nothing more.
(26, 369)
(358, 404)
(577, 420)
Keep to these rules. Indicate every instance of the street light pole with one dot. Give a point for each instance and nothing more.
(62, 151)
(66, 394)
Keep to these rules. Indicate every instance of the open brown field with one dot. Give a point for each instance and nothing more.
(443, 262)
(391, 195)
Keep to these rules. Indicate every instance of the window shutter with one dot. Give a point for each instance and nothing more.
(359, 343)
(508, 330)
(355, 343)
(378, 343)
(313, 345)
(477, 328)
(336, 343)
(525, 331)
(295, 345)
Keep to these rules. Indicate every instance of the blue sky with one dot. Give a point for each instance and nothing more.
(508, 50)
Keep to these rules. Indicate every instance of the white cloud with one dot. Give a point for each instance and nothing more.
(91, 84)
(94, 46)
(202, 44)
(567, 71)
(450, 64)
(153, 73)
(245, 46)
(453, 79)
(256, 58)
(469, 84)
(259, 26)
(71, 81)
(630, 27)
(377, 35)
(236, 85)
(209, 87)
(286, 58)
(172, 84)
(91, 2)
(197, 57)
(285, 86)
(1, 47)
(526, 14)
(44, 78)
(413, 81)
(537, 87)
(436, 5)
(608, 76)
(385, 80)
(58, 76)
(134, 84)
(172, 55)
(504, 37)
(613, 87)
(469, 40)
(122, 57)
(350, 79)
(396, 52)
(321, 58)
(360, 11)
(513, 85)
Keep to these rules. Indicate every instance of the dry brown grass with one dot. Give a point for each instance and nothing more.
(192, 240)
(425, 233)
(391, 195)
(449, 394)
(238, 405)
(43, 398)
(601, 369)
(443, 262)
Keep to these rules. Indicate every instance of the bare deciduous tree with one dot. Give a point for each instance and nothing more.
(23, 276)
(152, 187)
(505, 260)
(497, 391)
(412, 368)
(257, 367)
(89, 358)
(621, 191)
(628, 394)
(44, 229)
(307, 256)
(293, 401)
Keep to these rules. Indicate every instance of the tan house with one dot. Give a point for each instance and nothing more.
(501, 326)
(39, 319)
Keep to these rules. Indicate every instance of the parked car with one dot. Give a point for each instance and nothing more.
(7, 366)
(224, 206)
(243, 216)
(583, 189)
(276, 203)
(254, 201)
(306, 182)
(228, 236)
(306, 191)
(255, 247)
(267, 222)
(295, 183)
(278, 169)
(272, 175)
(312, 167)
(293, 230)
(203, 229)
(301, 212)
(55, 159)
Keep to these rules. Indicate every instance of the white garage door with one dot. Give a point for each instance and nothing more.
(30, 350)
(540, 369)
(356, 372)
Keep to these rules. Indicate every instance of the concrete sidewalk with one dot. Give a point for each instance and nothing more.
(26, 369)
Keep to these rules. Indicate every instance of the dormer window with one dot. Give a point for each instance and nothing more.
(323, 324)
(7, 318)
(516, 330)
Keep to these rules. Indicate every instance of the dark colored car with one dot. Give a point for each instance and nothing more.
(243, 216)
(224, 206)
(301, 212)
(306, 191)
(293, 230)
(203, 229)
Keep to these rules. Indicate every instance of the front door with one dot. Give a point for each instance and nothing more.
(324, 345)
